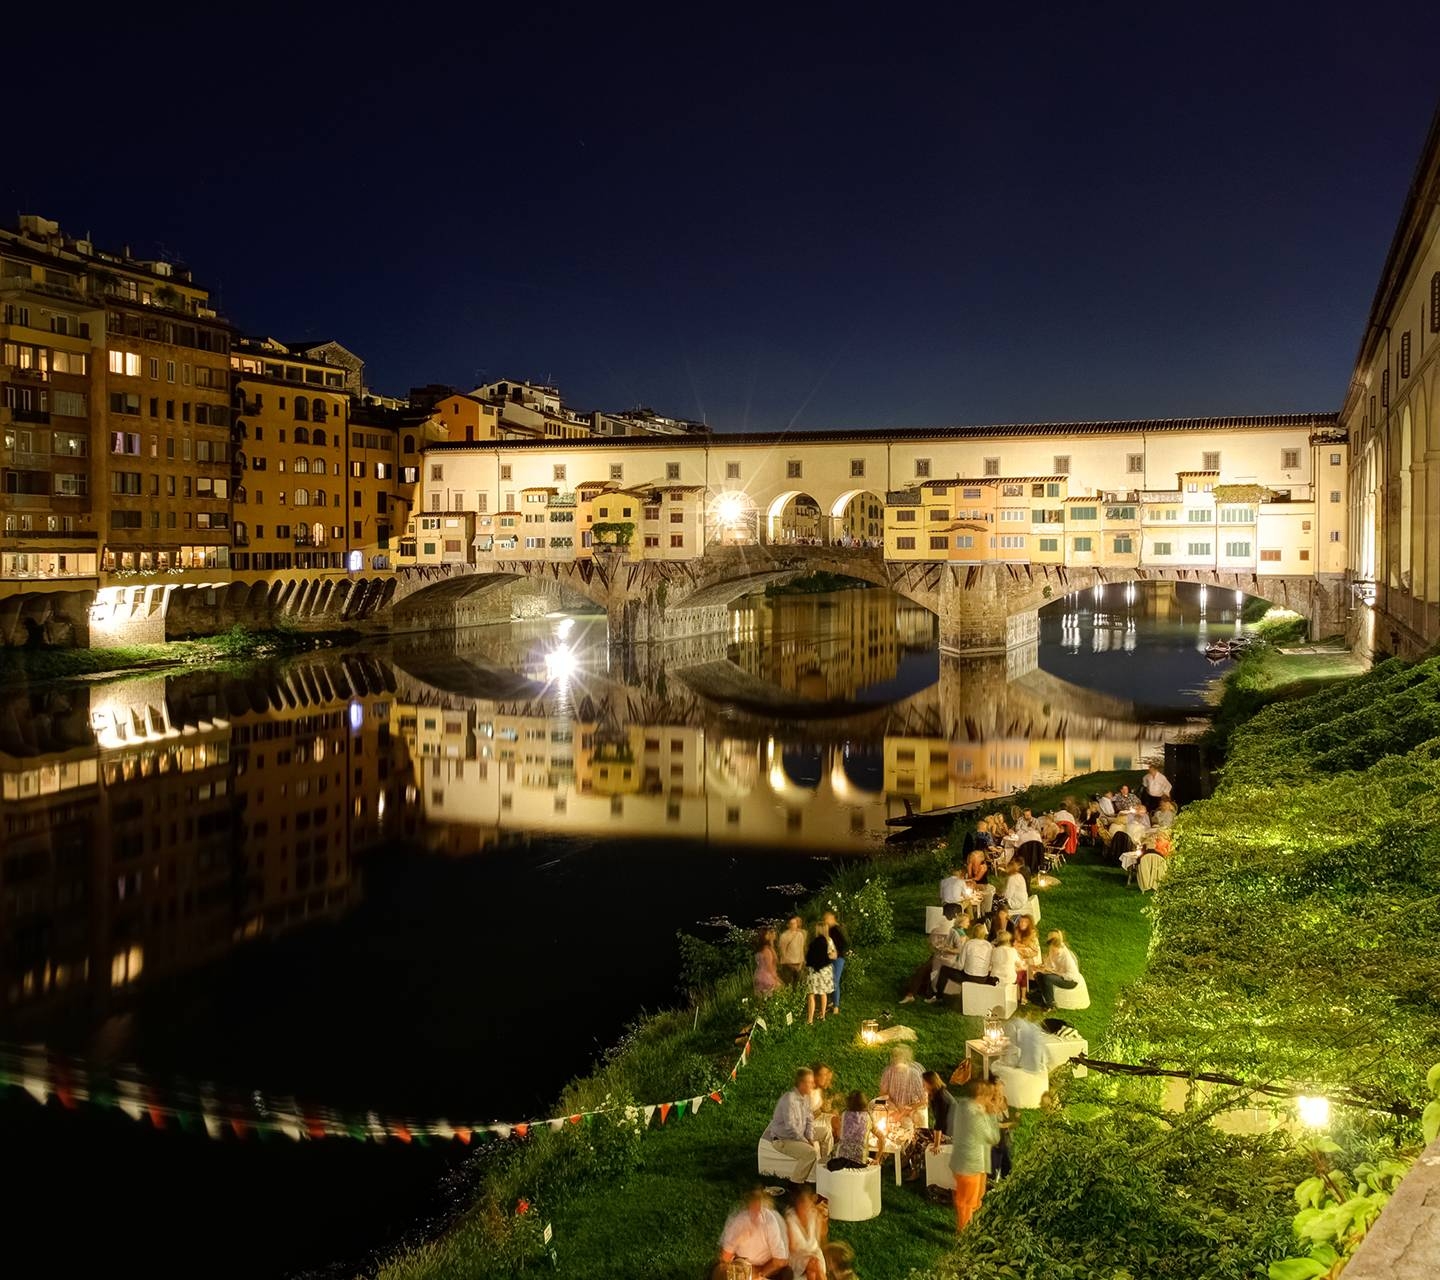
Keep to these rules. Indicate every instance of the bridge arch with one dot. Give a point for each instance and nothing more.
(795, 518)
(857, 516)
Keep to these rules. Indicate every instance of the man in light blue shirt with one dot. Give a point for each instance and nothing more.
(792, 1127)
(1027, 1045)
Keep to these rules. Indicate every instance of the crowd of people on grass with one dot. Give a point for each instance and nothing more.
(990, 935)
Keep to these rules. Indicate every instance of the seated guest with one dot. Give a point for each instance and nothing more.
(1017, 889)
(953, 887)
(1125, 799)
(983, 838)
(1025, 938)
(1025, 824)
(1027, 1047)
(807, 1223)
(792, 1127)
(822, 1107)
(1105, 805)
(977, 867)
(756, 1235)
(853, 1129)
(945, 947)
(942, 1111)
(1000, 921)
(1060, 969)
(975, 958)
(1004, 960)
(1165, 814)
(902, 1083)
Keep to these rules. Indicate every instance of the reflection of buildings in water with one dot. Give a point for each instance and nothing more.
(191, 821)
(827, 647)
(1109, 617)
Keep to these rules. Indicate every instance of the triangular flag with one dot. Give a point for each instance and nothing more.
(732, 1073)
(295, 1132)
(664, 1112)
(649, 1114)
(464, 1135)
(441, 1129)
(521, 1130)
(680, 1107)
(37, 1087)
(555, 1125)
(575, 1119)
(214, 1126)
(760, 1022)
(695, 1103)
(239, 1127)
(501, 1131)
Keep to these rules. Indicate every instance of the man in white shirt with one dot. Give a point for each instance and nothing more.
(953, 888)
(756, 1235)
(1017, 889)
(975, 959)
(1105, 804)
(1004, 960)
(1154, 787)
(792, 1127)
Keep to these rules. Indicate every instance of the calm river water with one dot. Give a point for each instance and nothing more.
(435, 877)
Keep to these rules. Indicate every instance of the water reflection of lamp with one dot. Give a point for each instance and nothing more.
(870, 1030)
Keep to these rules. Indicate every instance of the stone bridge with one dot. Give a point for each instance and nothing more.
(989, 608)
(981, 608)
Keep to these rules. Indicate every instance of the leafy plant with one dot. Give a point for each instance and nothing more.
(864, 913)
(613, 533)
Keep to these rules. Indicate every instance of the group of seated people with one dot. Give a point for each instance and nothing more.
(795, 1247)
(1131, 823)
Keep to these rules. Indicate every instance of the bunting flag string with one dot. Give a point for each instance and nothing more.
(70, 1081)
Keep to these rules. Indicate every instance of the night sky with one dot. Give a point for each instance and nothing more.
(1068, 211)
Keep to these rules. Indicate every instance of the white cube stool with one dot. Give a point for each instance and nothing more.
(1060, 1049)
(1076, 997)
(978, 998)
(1023, 1089)
(935, 919)
(773, 1162)
(853, 1194)
(937, 1168)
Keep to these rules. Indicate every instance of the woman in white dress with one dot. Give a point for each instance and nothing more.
(806, 1222)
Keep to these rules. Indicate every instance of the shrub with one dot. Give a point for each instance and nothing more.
(864, 913)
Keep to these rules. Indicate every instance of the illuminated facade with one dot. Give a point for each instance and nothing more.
(1391, 419)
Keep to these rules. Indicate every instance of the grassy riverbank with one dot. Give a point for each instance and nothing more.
(238, 645)
(1272, 960)
(654, 1205)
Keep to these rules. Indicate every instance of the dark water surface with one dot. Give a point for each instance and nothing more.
(436, 877)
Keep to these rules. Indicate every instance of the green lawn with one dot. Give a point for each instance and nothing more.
(666, 1218)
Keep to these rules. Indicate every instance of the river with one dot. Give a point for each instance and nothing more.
(436, 876)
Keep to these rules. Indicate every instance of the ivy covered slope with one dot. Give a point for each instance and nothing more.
(1295, 937)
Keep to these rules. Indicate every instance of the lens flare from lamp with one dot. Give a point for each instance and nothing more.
(1314, 1112)
(729, 507)
(560, 663)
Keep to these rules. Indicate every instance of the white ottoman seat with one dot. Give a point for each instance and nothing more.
(937, 1168)
(853, 1195)
(1076, 997)
(978, 998)
(1023, 1089)
(773, 1162)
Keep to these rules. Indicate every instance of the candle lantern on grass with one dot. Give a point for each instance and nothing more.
(869, 1031)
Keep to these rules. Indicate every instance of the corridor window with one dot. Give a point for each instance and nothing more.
(1135, 463)
(857, 466)
(1289, 459)
(1062, 464)
(1334, 495)
(1210, 462)
(1334, 459)
(617, 471)
(437, 473)
(992, 466)
(732, 471)
(793, 470)
(559, 471)
(505, 471)
(1334, 535)
(922, 468)
(672, 471)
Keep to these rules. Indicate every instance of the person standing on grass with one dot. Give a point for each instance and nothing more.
(1154, 787)
(976, 1131)
(791, 949)
(818, 957)
(767, 979)
(840, 945)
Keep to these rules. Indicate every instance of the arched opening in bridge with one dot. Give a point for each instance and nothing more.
(732, 520)
(857, 519)
(795, 519)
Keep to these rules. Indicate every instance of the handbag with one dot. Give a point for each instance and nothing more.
(961, 1074)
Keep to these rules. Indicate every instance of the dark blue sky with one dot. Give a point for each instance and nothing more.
(821, 220)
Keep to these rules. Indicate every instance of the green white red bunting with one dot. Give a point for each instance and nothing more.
(71, 1082)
